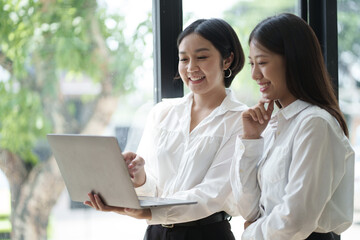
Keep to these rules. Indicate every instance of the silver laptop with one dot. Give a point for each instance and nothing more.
(95, 164)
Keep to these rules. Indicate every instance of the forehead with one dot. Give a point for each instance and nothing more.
(257, 50)
(194, 42)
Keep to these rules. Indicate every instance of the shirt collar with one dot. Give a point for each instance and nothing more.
(293, 109)
(230, 103)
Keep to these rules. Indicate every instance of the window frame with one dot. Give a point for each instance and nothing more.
(168, 22)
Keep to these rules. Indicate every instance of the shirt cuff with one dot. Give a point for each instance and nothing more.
(147, 189)
(249, 148)
(158, 216)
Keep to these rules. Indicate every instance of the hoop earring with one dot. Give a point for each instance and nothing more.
(230, 73)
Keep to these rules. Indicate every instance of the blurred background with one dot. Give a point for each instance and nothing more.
(86, 66)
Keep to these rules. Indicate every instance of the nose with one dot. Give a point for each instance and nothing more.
(255, 72)
(192, 66)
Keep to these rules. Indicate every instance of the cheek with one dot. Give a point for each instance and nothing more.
(184, 77)
(182, 72)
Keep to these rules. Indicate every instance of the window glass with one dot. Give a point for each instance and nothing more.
(69, 66)
(349, 90)
(80, 66)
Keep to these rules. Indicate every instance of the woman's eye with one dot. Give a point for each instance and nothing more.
(182, 59)
(202, 57)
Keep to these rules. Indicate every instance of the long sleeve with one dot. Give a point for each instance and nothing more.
(188, 165)
(243, 177)
(321, 161)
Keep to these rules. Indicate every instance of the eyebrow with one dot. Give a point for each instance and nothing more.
(197, 50)
(258, 56)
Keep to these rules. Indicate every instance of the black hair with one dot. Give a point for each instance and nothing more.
(306, 75)
(224, 39)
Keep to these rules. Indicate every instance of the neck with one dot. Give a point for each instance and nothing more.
(209, 100)
(288, 101)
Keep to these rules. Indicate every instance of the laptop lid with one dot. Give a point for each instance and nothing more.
(91, 163)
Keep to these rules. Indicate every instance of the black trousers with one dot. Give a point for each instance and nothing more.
(215, 231)
(323, 236)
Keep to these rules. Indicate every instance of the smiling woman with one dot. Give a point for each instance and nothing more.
(188, 142)
(282, 162)
(199, 64)
(268, 70)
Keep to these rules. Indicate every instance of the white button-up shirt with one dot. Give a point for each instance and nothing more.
(297, 179)
(191, 166)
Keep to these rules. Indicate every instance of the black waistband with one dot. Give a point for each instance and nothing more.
(216, 217)
(323, 236)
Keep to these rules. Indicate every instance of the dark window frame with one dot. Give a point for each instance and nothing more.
(167, 24)
(322, 17)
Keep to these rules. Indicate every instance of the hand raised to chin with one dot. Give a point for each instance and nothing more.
(256, 118)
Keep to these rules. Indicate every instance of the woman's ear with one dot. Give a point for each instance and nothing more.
(228, 61)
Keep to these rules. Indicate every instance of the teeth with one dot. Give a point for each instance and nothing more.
(196, 79)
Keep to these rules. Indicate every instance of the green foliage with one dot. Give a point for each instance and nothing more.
(15, 29)
(348, 28)
(21, 121)
(41, 42)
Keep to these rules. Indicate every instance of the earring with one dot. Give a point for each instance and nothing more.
(230, 73)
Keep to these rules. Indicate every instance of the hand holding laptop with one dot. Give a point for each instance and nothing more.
(137, 173)
(95, 164)
(96, 203)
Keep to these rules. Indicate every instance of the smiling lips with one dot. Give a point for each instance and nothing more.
(264, 86)
(196, 79)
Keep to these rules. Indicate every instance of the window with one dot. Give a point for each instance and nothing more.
(349, 90)
(71, 66)
(80, 66)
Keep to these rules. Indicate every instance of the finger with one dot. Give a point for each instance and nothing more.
(259, 115)
(88, 203)
(263, 111)
(129, 156)
(99, 202)
(137, 163)
(93, 201)
(252, 114)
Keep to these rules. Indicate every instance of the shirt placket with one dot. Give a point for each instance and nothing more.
(273, 131)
